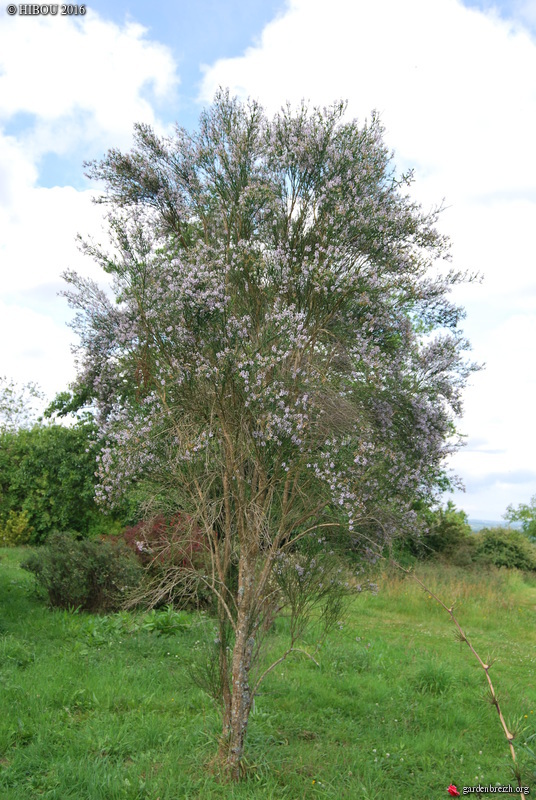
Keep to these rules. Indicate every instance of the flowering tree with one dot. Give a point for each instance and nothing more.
(281, 363)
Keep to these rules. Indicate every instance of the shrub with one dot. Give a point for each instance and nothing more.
(158, 541)
(16, 530)
(465, 556)
(48, 472)
(173, 551)
(504, 547)
(86, 574)
(446, 532)
(166, 622)
(526, 515)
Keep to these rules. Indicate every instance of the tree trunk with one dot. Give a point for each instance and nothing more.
(240, 708)
(235, 723)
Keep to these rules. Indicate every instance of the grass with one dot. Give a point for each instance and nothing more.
(103, 708)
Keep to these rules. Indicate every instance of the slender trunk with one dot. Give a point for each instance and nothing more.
(240, 702)
(232, 743)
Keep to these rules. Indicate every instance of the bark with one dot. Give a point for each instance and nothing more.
(240, 708)
(237, 705)
(236, 715)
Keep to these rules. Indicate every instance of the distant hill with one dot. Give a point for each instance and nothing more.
(478, 524)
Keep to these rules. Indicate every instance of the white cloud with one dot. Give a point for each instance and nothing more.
(495, 392)
(81, 78)
(38, 348)
(37, 244)
(83, 82)
(456, 90)
(497, 238)
(39, 241)
(17, 173)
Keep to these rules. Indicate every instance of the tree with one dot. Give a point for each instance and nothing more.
(17, 404)
(446, 529)
(281, 364)
(526, 515)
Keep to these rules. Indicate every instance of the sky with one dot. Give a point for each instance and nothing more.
(454, 83)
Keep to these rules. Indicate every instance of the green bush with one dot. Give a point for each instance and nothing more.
(88, 574)
(465, 555)
(504, 547)
(446, 531)
(48, 472)
(16, 529)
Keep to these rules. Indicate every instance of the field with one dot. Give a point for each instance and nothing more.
(104, 708)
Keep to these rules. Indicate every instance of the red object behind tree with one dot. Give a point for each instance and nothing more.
(166, 541)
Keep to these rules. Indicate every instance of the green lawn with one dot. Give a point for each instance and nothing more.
(101, 708)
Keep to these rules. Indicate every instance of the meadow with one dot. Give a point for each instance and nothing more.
(104, 707)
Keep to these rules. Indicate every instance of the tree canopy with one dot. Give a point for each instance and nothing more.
(525, 513)
(281, 360)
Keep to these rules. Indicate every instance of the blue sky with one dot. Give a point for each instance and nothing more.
(455, 85)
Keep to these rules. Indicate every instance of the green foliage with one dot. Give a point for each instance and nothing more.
(446, 531)
(526, 514)
(85, 574)
(166, 622)
(47, 482)
(68, 403)
(15, 653)
(16, 529)
(529, 747)
(504, 547)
